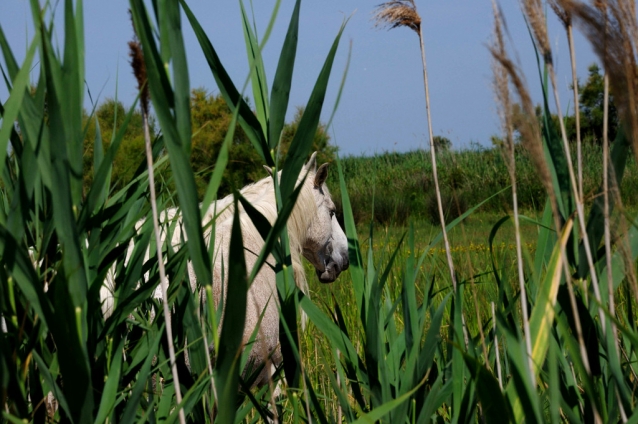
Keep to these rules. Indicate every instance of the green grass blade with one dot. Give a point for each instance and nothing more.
(173, 29)
(432, 338)
(109, 395)
(495, 406)
(522, 396)
(13, 104)
(542, 316)
(283, 79)
(103, 168)
(9, 58)
(381, 411)
(133, 401)
(230, 343)
(338, 338)
(257, 71)
(595, 223)
(73, 99)
(220, 165)
(161, 96)
(302, 140)
(354, 250)
(53, 385)
(247, 118)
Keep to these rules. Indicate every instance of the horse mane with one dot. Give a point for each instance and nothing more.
(261, 196)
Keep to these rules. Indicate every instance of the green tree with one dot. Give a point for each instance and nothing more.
(210, 118)
(591, 107)
(320, 143)
(110, 116)
(591, 100)
(441, 144)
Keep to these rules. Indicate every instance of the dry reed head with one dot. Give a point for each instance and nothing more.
(612, 29)
(139, 67)
(525, 120)
(533, 10)
(502, 91)
(562, 14)
(397, 13)
(139, 70)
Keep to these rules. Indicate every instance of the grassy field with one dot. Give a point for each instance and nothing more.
(400, 186)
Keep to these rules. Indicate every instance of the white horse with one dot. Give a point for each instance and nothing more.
(313, 232)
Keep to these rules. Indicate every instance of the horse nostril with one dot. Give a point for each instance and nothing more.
(346, 264)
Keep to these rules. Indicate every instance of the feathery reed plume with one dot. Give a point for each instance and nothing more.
(565, 17)
(528, 126)
(501, 87)
(606, 191)
(562, 14)
(612, 29)
(533, 10)
(139, 69)
(398, 13)
(613, 33)
(535, 16)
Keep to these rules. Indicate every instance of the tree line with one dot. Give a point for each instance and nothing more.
(210, 122)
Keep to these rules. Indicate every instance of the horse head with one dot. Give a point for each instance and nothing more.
(326, 245)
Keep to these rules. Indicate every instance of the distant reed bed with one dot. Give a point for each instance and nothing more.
(396, 186)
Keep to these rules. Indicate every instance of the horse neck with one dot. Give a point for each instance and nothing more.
(262, 196)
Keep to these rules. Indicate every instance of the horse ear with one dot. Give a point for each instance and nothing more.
(312, 163)
(268, 169)
(321, 175)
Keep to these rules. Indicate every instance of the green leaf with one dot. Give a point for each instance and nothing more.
(12, 106)
(133, 401)
(495, 407)
(107, 402)
(381, 411)
(302, 140)
(170, 18)
(283, 80)
(257, 71)
(250, 124)
(596, 221)
(220, 165)
(230, 343)
(354, 250)
(162, 97)
(542, 316)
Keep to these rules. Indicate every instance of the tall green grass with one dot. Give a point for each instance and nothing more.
(60, 244)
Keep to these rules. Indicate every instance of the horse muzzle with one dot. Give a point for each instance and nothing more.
(332, 270)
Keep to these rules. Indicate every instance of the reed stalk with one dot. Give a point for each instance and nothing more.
(397, 13)
(137, 62)
(501, 85)
(533, 12)
(606, 191)
(566, 18)
(579, 147)
(496, 349)
(531, 139)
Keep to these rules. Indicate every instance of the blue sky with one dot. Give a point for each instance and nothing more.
(382, 107)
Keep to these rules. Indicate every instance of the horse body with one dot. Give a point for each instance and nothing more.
(313, 232)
